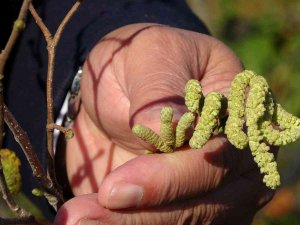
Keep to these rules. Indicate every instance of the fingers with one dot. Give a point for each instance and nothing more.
(130, 74)
(162, 178)
(234, 204)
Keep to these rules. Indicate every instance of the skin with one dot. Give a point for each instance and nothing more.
(128, 76)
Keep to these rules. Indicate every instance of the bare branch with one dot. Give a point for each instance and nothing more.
(22, 138)
(51, 47)
(65, 21)
(51, 61)
(42, 26)
(68, 132)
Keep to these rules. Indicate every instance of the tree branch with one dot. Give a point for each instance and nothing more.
(51, 48)
(22, 138)
(41, 25)
(65, 21)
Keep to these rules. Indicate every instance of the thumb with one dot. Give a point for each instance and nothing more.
(152, 180)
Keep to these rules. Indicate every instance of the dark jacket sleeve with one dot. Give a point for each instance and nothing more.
(26, 73)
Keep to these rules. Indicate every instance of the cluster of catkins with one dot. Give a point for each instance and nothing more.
(254, 120)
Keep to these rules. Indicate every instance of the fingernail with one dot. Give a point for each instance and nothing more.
(89, 222)
(125, 195)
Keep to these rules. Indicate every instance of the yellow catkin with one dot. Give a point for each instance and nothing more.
(184, 123)
(11, 169)
(236, 110)
(149, 136)
(255, 110)
(167, 132)
(280, 137)
(284, 119)
(288, 129)
(193, 94)
(208, 120)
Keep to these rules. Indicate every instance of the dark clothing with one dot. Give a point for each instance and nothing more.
(26, 72)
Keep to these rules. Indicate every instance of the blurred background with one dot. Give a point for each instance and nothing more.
(266, 36)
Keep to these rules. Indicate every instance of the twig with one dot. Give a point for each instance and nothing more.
(51, 48)
(65, 21)
(68, 132)
(17, 28)
(6, 195)
(22, 138)
(39, 22)
(51, 61)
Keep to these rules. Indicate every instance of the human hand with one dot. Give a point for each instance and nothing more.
(127, 78)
